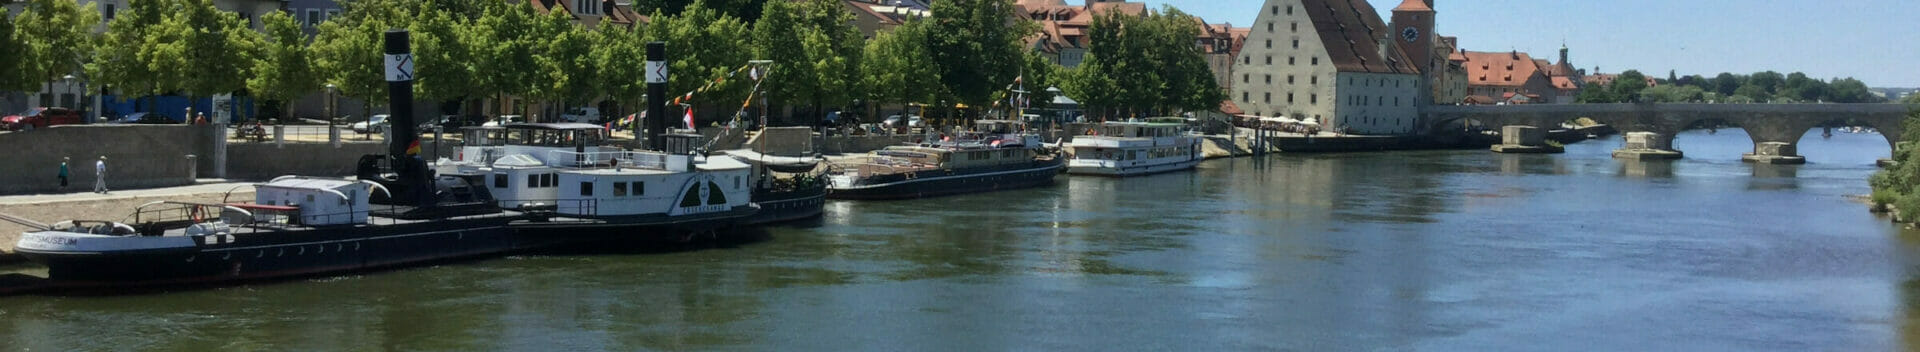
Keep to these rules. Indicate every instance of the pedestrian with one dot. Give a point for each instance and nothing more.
(100, 175)
(63, 171)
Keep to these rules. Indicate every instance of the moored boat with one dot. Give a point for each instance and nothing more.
(997, 156)
(1134, 148)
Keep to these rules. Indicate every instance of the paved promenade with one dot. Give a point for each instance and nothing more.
(115, 205)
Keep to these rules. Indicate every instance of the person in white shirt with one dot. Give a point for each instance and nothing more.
(100, 175)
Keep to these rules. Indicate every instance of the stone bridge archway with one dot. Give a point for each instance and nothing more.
(1775, 128)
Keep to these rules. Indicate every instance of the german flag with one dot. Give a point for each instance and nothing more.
(413, 149)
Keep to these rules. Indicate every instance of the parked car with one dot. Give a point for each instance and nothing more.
(376, 124)
(581, 115)
(144, 118)
(503, 120)
(448, 123)
(911, 121)
(40, 118)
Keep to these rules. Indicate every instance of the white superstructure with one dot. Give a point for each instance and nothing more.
(1134, 148)
(568, 169)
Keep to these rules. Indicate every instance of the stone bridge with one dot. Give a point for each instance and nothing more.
(1775, 128)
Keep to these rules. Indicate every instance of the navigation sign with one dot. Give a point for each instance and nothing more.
(399, 67)
(656, 72)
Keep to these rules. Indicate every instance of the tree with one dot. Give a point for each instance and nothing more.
(1119, 72)
(58, 38)
(703, 46)
(211, 30)
(893, 72)
(348, 54)
(614, 51)
(1769, 81)
(1849, 90)
(443, 55)
(125, 57)
(563, 62)
(1672, 94)
(503, 51)
(1189, 81)
(12, 67)
(284, 70)
(1037, 74)
(1752, 93)
(815, 51)
(1726, 83)
(1627, 85)
(1597, 94)
(976, 49)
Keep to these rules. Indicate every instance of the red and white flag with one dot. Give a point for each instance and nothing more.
(690, 117)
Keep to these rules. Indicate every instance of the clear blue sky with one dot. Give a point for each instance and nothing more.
(1873, 40)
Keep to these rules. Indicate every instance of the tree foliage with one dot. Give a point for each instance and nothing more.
(894, 71)
(975, 47)
(228, 47)
(57, 36)
(1144, 65)
(616, 54)
(283, 70)
(12, 67)
(703, 45)
(815, 51)
(127, 54)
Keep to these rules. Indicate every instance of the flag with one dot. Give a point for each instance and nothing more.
(414, 149)
(689, 118)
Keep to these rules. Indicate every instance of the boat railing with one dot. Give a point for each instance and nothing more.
(612, 160)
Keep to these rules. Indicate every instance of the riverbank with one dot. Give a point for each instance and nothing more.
(115, 206)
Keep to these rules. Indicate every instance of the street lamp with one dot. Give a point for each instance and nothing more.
(333, 133)
(69, 97)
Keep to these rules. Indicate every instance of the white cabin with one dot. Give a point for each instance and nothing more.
(322, 201)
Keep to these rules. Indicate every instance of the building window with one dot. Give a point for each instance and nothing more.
(1269, 43)
(1266, 98)
(1289, 79)
(586, 189)
(1296, 43)
(1314, 80)
(1269, 78)
(1289, 60)
(1276, 10)
(1246, 78)
(313, 17)
(107, 12)
(1316, 61)
(1289, 9)
(1269, 60)
(1269, 27)
(1243, 97)
(1289, 98)
(1313, 99)
(1396, 102)
(1246, 60)
(1296, 27)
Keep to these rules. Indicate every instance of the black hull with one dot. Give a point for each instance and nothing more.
(949, 185)
(634, 229)
(789, 206)
(283, 254)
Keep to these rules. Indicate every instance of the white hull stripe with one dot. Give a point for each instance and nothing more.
(930, 179)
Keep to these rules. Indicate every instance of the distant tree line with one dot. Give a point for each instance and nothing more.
(1759, 87)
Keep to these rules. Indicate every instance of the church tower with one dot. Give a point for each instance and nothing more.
(1412, 29)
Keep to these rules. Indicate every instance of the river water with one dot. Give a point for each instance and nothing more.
(1430, 250)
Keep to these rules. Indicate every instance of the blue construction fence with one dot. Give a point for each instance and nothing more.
(173, 106)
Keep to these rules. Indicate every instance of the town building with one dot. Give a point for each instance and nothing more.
(875, 16)
(1605, 79)
(1511, 77)
(591, 13)
(76, 92)
(1063, 28)
(1220, 43)
(1450, 82)
(1334, 63)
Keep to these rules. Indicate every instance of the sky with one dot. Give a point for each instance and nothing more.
(1875, 41)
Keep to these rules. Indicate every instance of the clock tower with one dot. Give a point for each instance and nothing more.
(1413, 32)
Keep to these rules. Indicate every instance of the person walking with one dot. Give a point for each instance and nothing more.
(63, 171)
(100, 175)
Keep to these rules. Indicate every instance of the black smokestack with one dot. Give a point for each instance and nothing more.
(399, 67)
(656, 94)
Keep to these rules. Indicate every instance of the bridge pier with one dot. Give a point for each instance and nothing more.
(1524, 139)
(1781, 153)
(1647, 146)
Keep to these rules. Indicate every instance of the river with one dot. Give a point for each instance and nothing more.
(1426, 250)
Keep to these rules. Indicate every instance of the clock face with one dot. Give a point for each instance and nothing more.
(1410, 34)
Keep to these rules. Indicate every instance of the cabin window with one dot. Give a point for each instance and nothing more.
(552, 180)
(533, 181)
(619, 189)
(500, 181)
(736, 182)
(586, 189)
(639, 188)
(309, 199)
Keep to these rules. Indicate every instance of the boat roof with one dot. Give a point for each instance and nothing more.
(296, 182)
(555, 126)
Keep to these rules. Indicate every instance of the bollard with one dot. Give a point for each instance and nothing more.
(333, 135)
(193, 169)
(279, 135)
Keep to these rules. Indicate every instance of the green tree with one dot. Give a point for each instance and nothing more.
(1753, 92)
(12, 66)
(1597, 94)
(703, 45)
(563, 62)
(815, 51)
(1849, 90)
(58, 38)
(977, 50)
(1671, 93)
(1119, 73)
(1037, 74)
(615, 50)
(124, 58)
(893, 71)
(284, 70)
(1726, 83)
(209, 29)
(1627, 85)
(348, 54)
(443, 55)
(1769, 81)
(503, 49)
(1189, 81)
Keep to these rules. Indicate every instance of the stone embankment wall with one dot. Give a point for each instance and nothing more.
(138, 156)
(262, 161)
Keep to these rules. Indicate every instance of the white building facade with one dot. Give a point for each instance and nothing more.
(1330, 62)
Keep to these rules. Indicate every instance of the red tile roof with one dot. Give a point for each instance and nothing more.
(1353, 32)
(1508, 69)
(1229, 108)
(1413, 5)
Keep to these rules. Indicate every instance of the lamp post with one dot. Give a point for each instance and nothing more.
(333, 132)
(69, 80)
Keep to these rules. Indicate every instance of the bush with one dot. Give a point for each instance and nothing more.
(1909, 207)
(1883, 197)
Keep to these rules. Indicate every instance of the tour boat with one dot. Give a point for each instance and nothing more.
(996, 156)
(294, 226)
(1134, 148)
(577, 185)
